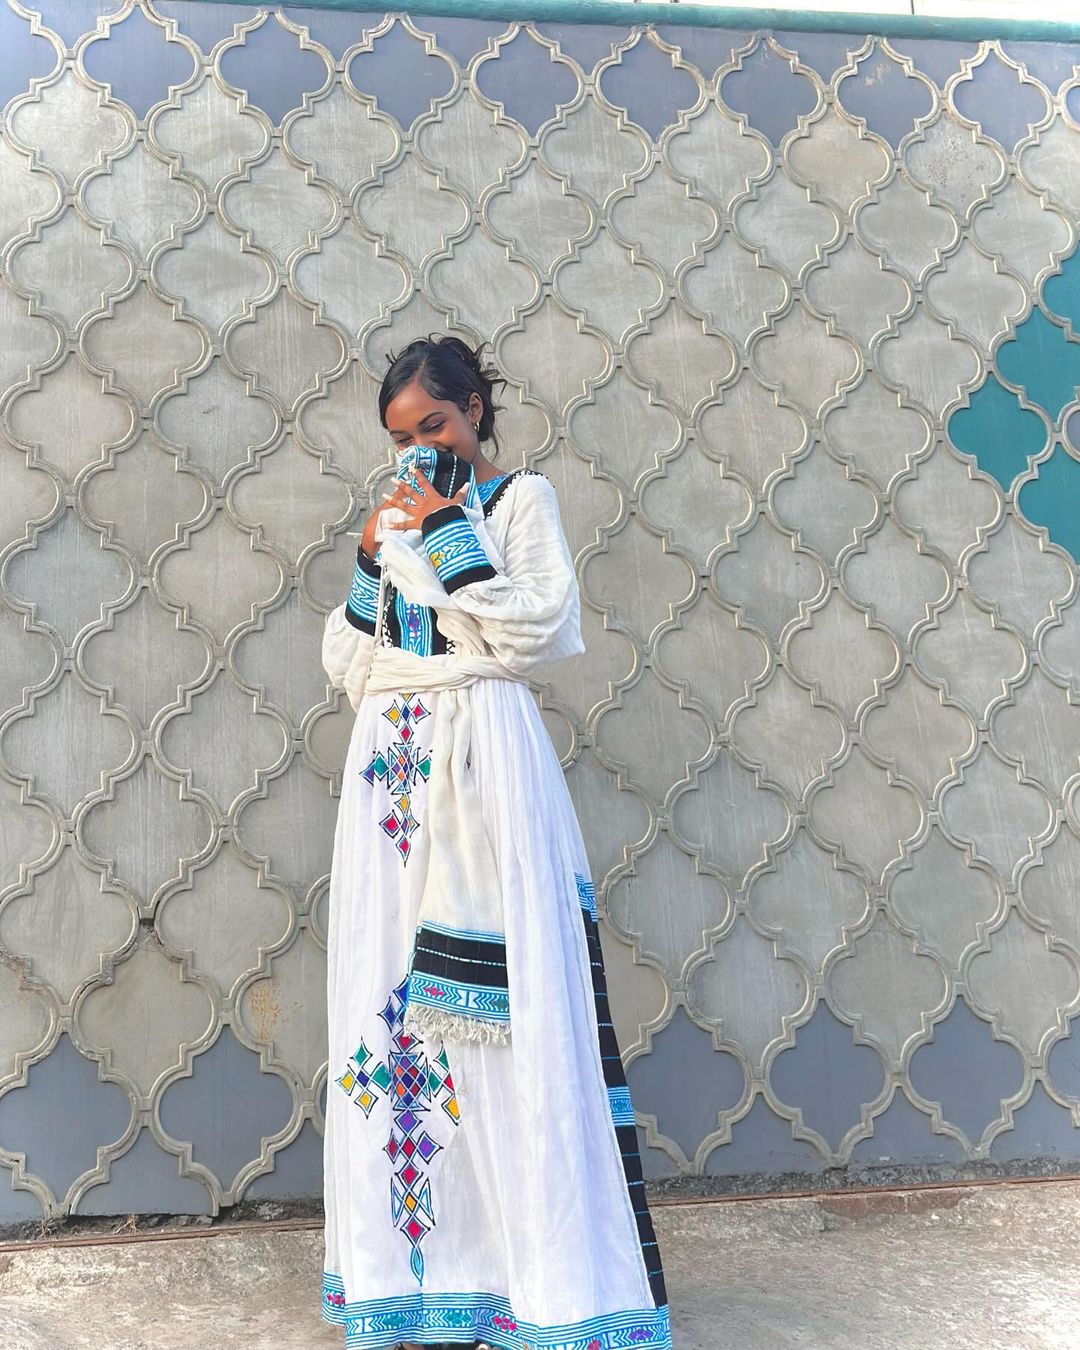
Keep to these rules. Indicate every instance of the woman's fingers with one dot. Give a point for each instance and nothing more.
(412, 509)
(410, 522)
(417, 499)
(402, 495)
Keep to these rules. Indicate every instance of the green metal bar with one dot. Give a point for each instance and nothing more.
(621, 14)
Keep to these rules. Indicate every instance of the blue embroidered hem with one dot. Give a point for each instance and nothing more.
(460, 971)
(491, 1005)
(464, 1318)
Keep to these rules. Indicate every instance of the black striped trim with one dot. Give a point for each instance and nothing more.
(484, 572)
(615, 1077)
(443, 516)
(464, 960)
(372, 569)
(390, 617)
(456, 544)
(366, 564)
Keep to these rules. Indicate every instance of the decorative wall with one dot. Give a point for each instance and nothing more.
(789, 321)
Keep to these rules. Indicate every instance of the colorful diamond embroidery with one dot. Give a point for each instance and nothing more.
(357, 1076)
(413, 1084)
(400, 766)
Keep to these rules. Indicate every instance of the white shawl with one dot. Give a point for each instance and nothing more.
(503, 628)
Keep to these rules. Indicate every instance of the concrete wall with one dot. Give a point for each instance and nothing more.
(788, 320)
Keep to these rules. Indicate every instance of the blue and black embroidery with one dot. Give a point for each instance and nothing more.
(622, 1111)
(364, 594)
(464, 972)
(458, 559)
(456, 553)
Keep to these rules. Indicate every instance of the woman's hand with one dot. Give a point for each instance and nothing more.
(367, 538)
(418, 499)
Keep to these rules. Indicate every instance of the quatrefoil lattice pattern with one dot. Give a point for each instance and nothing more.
(792, 322)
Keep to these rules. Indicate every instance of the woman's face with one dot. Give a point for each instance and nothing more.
(413, 417)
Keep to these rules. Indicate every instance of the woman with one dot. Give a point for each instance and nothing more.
(483, 1185)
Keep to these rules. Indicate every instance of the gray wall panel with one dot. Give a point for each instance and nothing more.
(790, 321)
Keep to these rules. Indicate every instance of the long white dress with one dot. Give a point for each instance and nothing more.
(476, 1191)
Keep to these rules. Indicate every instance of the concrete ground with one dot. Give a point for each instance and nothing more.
(992, 1267)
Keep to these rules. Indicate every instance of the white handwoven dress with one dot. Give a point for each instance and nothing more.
(474, 1191)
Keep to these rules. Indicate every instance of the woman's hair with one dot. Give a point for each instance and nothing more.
(449, 370)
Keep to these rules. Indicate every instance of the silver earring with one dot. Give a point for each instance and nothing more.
(476, 427)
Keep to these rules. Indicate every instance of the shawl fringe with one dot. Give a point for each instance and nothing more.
(435, 1024)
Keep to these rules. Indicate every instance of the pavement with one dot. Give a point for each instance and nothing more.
(989, 1267)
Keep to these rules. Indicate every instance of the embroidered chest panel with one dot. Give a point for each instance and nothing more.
(414, 628)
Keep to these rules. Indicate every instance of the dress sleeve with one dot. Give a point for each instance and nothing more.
(349, 633)
(528, 608)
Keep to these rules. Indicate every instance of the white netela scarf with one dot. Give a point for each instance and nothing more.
(457, 988)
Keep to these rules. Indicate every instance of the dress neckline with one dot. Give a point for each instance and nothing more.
(488, 486)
